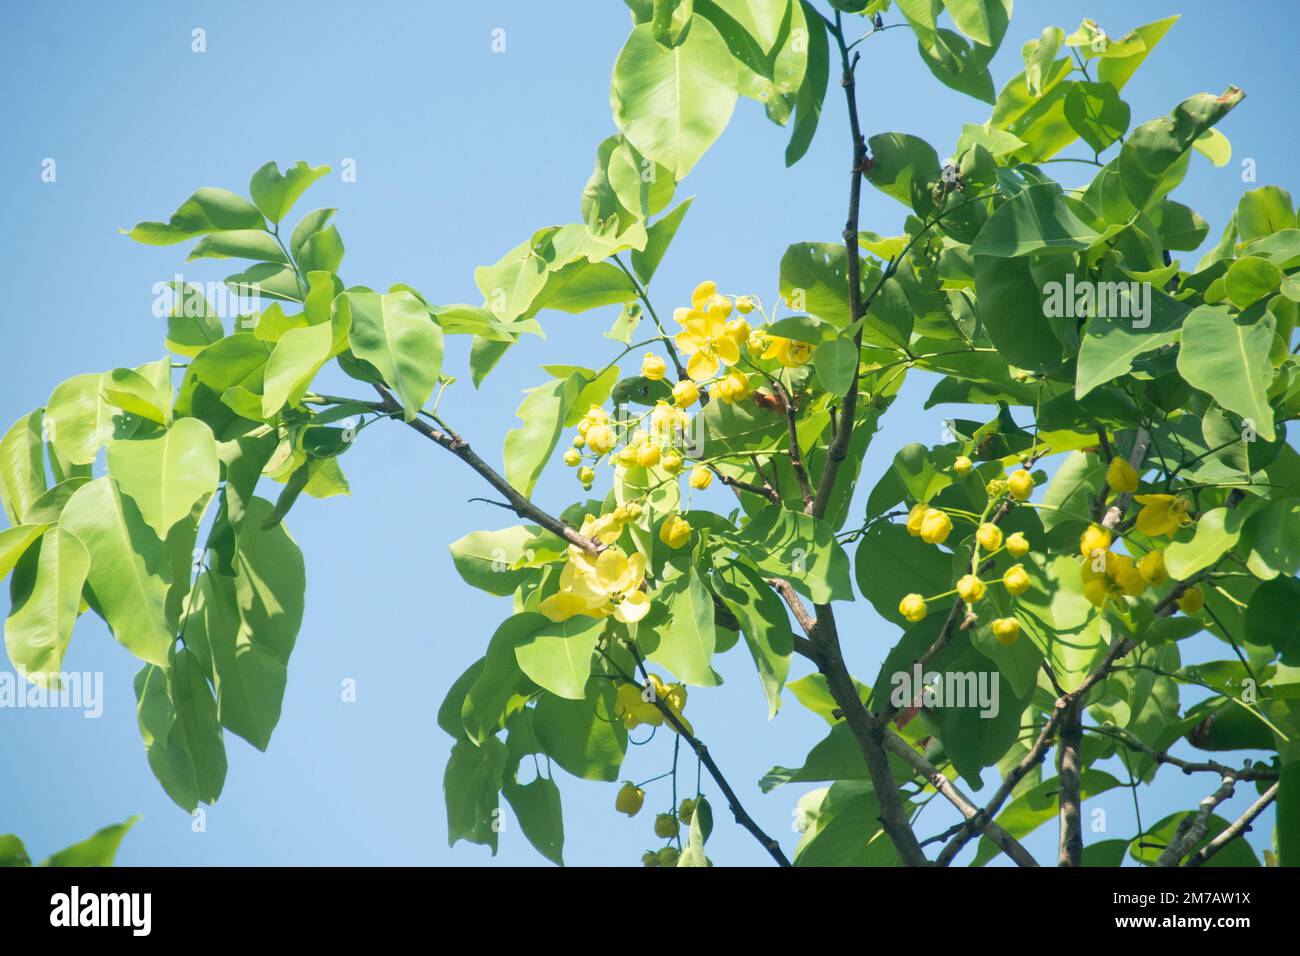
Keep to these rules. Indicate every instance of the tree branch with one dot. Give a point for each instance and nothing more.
(1070, 799)
(1191, 829)
(1238, 827)
(738, 811)
(1005, 841)
(460, 448)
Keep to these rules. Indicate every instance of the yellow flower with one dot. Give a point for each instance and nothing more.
(629, 800)
(935, 526)
(704, 338)
(789, 352)
(653, 367)
(970, 588)
(664, 418)
(675, 531)
(1191, 601)
(563, 605)
(1121, 476)
(703, 295)
(573, 458)
(913, 608)
(1095, 539)
(1018, 545)
(757, 341)
(996, 488)
(734, 387)
(601, 438)
(631, 705)
(1020, 484)
(745, 304)
(647, 455)
(915, 517)
(1096, 592)
(962, 466)
(1006, 630)
(671, 463)
(989, 536)
(685, 394)
(1161, 514)
(586, 476)
(738, 329)
(700, 478)
(1016, 579)
(1121, 569)
(1152, 567)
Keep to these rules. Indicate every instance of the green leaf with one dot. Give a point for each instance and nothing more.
(1272, 536)
(1264, 211)
(499, 561)
(812, 91)
(45, 607)
(1096, 113)
(765, 624)
(1117, 70)
(1038, 55)
(842, 828)
(1288, 815)
(470, 786)
(12, 852)
(236, 360)
(1111, 343)
(14, 543)
(1249, 279)
(129, 571)
(800, 548)
(836, 364)
(1228, 358)
(208, 210)
(1036, 219)
(543, 412)
(256, 244)
(673, 104)
(484, 710)
(580, 286)
(22, 466)
(1216, 532)
(1273, 618)
(166, 475)
(396, 335)
(556, 655)
(79, 420)
(891, 563)
(275, 194)
(178, 721)
(670, 20)
(1006, 291)
(297, 357)
(688, 640)
(658, 237)
(1152, 150)
(904, 167)
(99, 849)
(537, 805)
(582, 736)
(814, 277)
(249, 624)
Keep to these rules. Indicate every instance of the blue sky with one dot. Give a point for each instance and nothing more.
(460, 154)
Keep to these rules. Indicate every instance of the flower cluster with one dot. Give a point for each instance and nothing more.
(610, 582)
